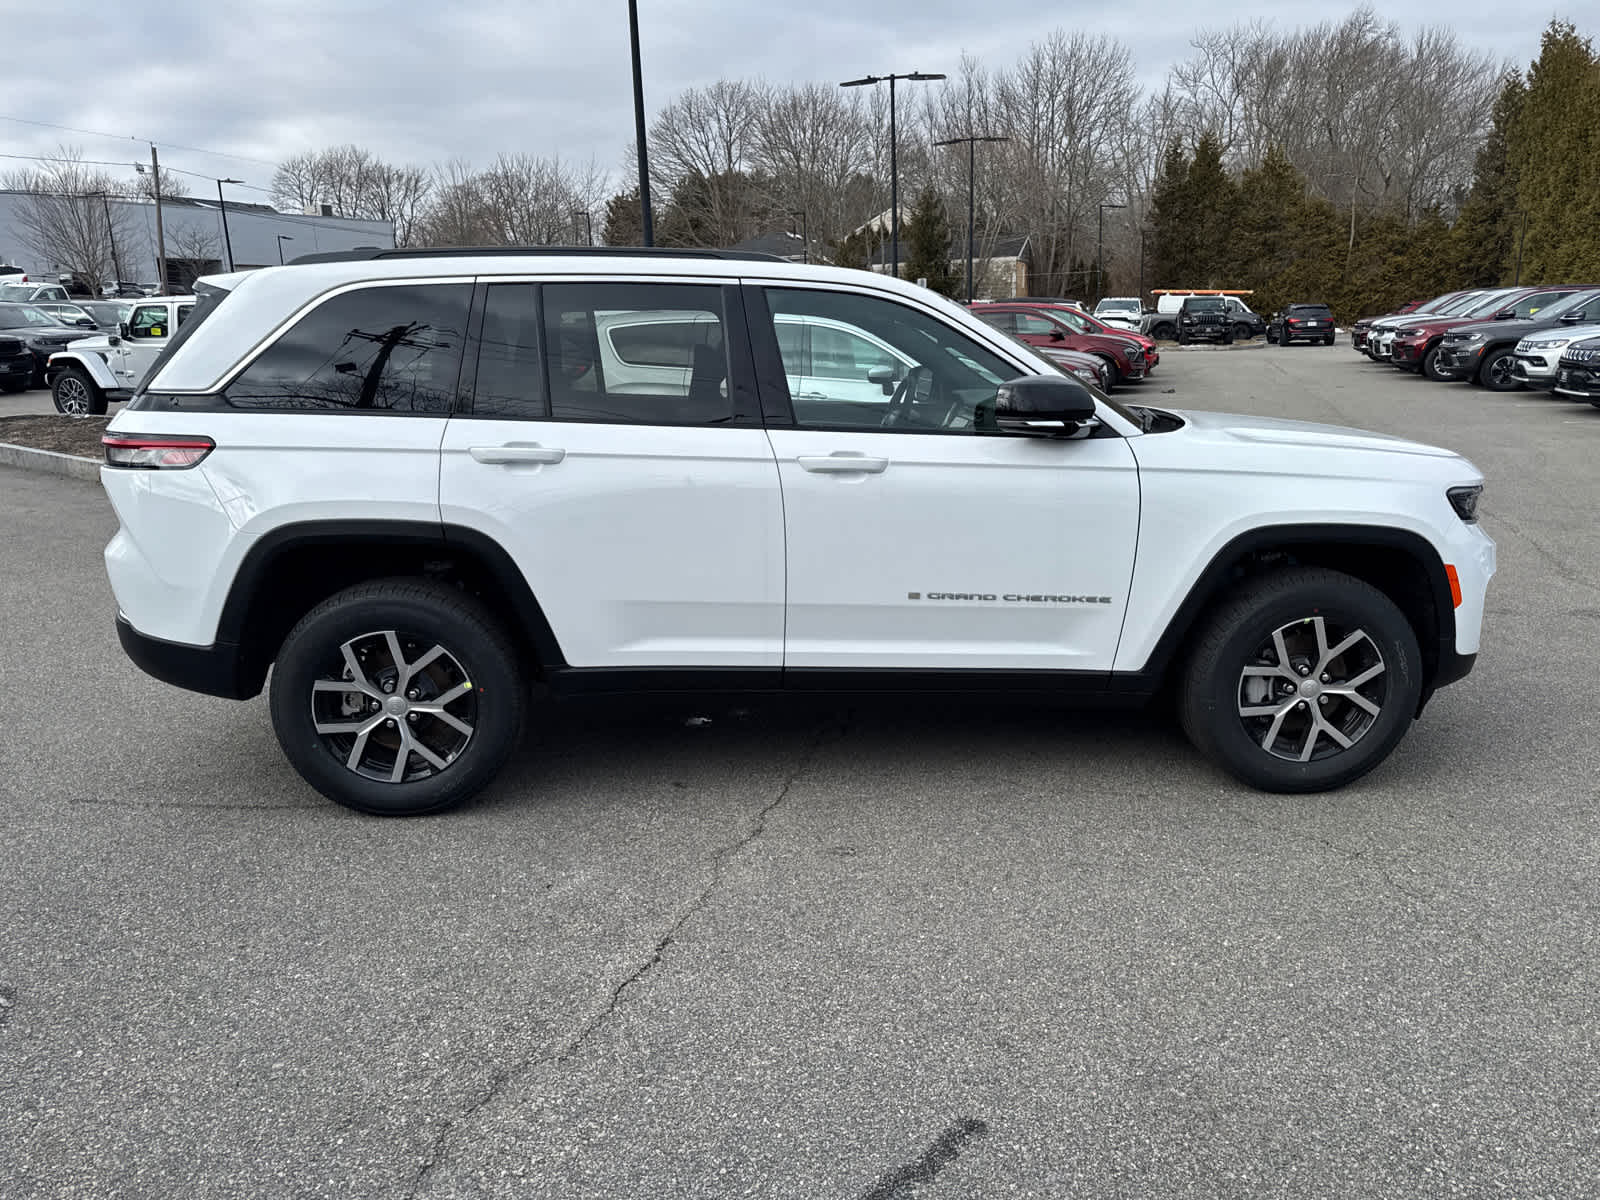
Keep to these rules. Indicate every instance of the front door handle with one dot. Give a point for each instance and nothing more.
(842, 464)
(513, 453)
(812, 396)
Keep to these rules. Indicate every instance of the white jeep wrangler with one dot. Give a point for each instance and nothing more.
(413, 483)
(104, 367)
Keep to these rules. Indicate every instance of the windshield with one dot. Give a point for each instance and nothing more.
(14, 316)
(17, 291)
(1487, 302)
(1117, 306)
(1210, 304)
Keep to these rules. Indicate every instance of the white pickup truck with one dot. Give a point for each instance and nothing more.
(89, 373)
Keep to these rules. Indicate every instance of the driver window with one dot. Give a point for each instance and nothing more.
(877, 364)
(149, 321)
(1030, 325)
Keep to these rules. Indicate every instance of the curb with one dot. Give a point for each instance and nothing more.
(1174, 347)
(49, 462)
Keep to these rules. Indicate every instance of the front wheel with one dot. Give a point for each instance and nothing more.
(1303, 681)
(1430, 367)
(1498, 372)
(1242, 332)
(76, 395)
(399, 697)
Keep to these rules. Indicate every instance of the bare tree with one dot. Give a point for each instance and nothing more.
(67, 219)
(192, 251)
(143, 186)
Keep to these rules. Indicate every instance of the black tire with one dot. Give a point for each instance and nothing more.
(1183, 338)
(1496, 372)
(1240, 635)
(1227, 338)
(1430, 367)
(12, 387)
(1272, 338)
(1113, 376)
(478, 666)
(76, 395)
(1242, 332)
(1165, 330)
(1328, 341)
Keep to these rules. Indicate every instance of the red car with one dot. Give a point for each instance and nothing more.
(1130, 355)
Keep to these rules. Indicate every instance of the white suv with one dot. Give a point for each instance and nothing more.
(414, 483)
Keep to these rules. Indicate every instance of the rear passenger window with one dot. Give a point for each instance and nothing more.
(510, 379)
(652, 353)
(380, 349)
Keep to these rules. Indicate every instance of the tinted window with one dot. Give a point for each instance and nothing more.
(149, 320)
(1030, 325)
(1210, 304)
(636, 352)
(510, 380)
(1539, 301)
(384, 349)
(1309, 310)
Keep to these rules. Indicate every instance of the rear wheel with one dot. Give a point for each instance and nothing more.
(1498, 372)
(399, 697)
(76, 395)
(1164, 330)
(1304, 680)
(1328, 341)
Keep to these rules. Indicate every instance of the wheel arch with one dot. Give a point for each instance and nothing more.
(291, 569)
(90, 364)
(1398, 562)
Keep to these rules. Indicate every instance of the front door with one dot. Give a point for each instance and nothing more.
(149, 332)
(920, 539)
(612, 444)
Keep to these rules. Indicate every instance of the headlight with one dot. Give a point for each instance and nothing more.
(1465, 501)
(1548, 344)
(1474, 337)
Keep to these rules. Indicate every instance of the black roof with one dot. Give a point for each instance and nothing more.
(368, 253)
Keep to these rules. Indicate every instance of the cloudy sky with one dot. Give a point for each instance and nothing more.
(424, 82)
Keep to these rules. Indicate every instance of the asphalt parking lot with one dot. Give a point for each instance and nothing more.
(883, 951)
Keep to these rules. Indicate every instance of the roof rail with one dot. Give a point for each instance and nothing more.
(367, 253)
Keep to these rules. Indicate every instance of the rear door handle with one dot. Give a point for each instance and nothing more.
(513, 453)
(842, 464)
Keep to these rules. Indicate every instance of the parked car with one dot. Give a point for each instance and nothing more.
(1309, 322)
(16, 364)
(1416, 343)
(1060, 326)
(1085, 323)
(1578, 372)
(103, 367)
(41, 333)
(1484, 352)
(26, 293)
(1463, 305)
(1123, 312)
(1205, 319)
(1358, 331)
(108, 315)
(1537, 357)
(1163, 323)
(120, 289)
(67, 314)
(402, 484)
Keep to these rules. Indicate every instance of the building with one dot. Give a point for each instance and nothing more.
(197, 241)
(1000, 264)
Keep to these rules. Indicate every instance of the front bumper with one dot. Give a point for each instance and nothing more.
(1461, 358)
(1536, 370)
(1407, 354)
(1212, 333)
(16, 368)
(1578, 383)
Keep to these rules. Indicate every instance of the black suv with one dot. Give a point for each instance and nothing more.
(1205, 319)
(1310, 322)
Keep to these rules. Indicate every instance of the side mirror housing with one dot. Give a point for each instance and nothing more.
(1043, 406)
(1505, 314)
(122, 328)
(883, 377)
(1057, 336)
(1573, 318)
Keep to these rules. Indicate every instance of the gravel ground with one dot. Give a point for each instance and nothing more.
(870, 951)
(65, 435)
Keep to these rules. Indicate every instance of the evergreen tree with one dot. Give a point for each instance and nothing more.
(1484, 233)
(1172, 252)
(856, 249)
(927, 239)
(624, 226)
(1556, 159)
(1212, 199)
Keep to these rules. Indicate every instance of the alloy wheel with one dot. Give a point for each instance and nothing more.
(72, 396)
(394, 707)
(1312, 689)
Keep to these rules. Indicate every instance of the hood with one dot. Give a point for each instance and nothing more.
(1514, 329)
(1566, 334)
(92, 342)
(1274, 431)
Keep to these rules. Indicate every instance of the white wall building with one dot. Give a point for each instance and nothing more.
(195, 241)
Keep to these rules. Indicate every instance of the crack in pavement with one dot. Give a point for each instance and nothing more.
(503, 1078)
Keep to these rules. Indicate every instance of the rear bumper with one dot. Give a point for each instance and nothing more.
(215, 670)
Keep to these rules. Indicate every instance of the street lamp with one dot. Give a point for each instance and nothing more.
(894, 163)
(223, 205)
(972, 156)
(282, 238)
(1100, 251)
(638, 124)
(805, 235)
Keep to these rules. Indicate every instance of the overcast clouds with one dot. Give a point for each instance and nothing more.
(421, 82)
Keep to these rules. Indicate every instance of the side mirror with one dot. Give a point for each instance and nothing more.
(122, 328)
(1043, 406)
(1057, 336)
(1573, 318)
(883, 377)
(85, 322)
(1505, 314)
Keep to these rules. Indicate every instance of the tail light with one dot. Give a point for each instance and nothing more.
(155, 451)
(1294, 320)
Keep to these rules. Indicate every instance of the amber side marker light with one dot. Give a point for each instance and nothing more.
(1455, 584)
(155, 451)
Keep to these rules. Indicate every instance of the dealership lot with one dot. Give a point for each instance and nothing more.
(986, 949)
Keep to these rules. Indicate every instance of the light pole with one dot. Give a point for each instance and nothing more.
(638, 125)
(282, 238)
(223, 205)
(1100, 252)
(972, 163)
(894, 162)
(805, 235)
(588, 224)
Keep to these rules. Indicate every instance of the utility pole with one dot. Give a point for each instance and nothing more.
(111, 233)
(227, 243)
(972, 165)
(161, 237)
(638, 126)
(805, 235)
(1100, 252)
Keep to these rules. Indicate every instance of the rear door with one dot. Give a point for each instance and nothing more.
(631, 482)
